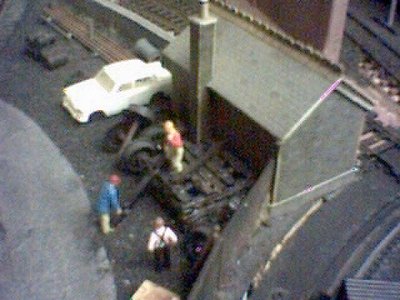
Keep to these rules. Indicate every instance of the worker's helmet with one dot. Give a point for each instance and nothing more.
(115, 179)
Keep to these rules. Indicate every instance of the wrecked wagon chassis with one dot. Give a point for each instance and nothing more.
(202, 198)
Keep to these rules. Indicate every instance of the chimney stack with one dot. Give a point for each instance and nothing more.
(202, 47)
(204, 9)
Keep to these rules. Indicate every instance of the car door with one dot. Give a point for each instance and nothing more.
(121, 97)
(144, 89)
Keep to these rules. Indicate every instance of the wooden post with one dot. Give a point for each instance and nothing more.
(392, 13)
(91, 28)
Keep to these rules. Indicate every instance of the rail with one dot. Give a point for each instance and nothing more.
(171, 15)
(383, 145)
(81, 30)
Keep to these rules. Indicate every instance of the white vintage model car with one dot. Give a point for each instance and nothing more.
(115, 88)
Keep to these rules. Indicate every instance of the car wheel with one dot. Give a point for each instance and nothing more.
(96, 116)
(161, 102)
(135, 157)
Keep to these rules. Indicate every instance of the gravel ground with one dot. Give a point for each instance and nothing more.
(10, 14)
(38, 92)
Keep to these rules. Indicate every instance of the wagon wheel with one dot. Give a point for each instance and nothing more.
(138, 156)
(154, 133)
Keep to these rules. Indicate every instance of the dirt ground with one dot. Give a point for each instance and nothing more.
(38, 92)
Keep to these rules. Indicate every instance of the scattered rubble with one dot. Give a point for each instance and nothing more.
(380, 79)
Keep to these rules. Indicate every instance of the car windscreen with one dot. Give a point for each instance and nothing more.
(105, 81)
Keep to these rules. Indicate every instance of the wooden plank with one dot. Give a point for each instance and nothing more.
(379, 146)
(392, 159)
(386, 132)
(129, 136)
(199, 162)
(367, 136)
(211, 177)
(216, 165)
(152, 171)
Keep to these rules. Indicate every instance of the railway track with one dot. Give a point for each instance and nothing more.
(381, 55)
(359, 29)
(384, 256)
(73, 26)
(377, 240)
(382, 145)
(171, 15)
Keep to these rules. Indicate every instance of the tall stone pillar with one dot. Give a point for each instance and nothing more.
(202, 48)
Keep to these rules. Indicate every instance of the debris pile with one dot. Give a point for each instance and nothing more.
(380, 79)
